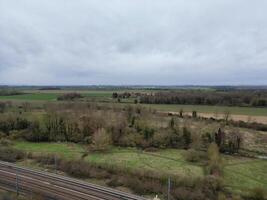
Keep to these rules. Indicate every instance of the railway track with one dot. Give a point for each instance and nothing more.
(56, 187)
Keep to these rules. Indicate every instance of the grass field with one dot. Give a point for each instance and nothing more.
(171, 161)
(239, 173)
(52, 95)
(165, 161)
(242, 174)
(32, 97)
(210, 109)
(67, 150)
(105, 96)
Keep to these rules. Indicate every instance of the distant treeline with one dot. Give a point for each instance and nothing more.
(69, 96)
(201, 97)
(9, 92)
(50, 88)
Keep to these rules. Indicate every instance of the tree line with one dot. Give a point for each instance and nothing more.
(201, 97)
(6, 92)
(99, 127)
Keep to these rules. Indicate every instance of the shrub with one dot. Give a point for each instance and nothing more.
(258, 194)
(48, 159)
(236, 197)
(161, 139)
(5, 142)
(83, 169)
(192, 155)
(38, 197)
(221, 196)
(184, 193)
(2, 107)
(115, 182)
(211, 185)
(76, 168)
(2, 135)
(15, 134)
(6, 196)
(101, 140)
(69, 97)
(10, 154)
(186, 137)
(194, 114)
(215, 162)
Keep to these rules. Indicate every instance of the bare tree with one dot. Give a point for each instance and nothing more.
(227, 116)
(101, 140)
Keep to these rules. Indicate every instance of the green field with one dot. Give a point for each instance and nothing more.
(240, 174)
(67, 150)
(52, 95)
(210, 109)
(49, 96)
(104, 96)
(165, 161)
(171, 161)
(32, 97)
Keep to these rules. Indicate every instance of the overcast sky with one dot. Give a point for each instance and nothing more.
(169, 42)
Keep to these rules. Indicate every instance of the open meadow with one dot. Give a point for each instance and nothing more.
(240, 174)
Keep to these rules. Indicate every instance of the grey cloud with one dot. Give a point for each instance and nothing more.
(133, 42)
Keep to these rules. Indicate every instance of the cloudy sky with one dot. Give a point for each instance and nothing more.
(169, 42)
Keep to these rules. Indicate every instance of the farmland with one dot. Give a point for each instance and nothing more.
(32, 97)
(105, 96)
(211, 109)
(109, 137)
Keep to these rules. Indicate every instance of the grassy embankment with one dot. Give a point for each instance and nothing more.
(240, 174)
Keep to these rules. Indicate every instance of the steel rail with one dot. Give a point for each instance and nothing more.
(85, 188)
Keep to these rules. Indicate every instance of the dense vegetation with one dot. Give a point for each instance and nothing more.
(100, 128)
(69, 96)
(202, 97)
(4, 92)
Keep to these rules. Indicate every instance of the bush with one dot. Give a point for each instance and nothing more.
(215, 161)
(15, 134)
(192, 155)
(69, 97)
(2, 107)
(48, 159)
(2, 135)
(115, 182)
(194, 114)
(6, 196)
(258, 194)
(101, 140)
(77, 168)
(236, 197)
(5, 142)
(10, 154)
(184, 193)
(211, 185)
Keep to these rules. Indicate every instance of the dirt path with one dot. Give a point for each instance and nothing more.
(245, 118)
